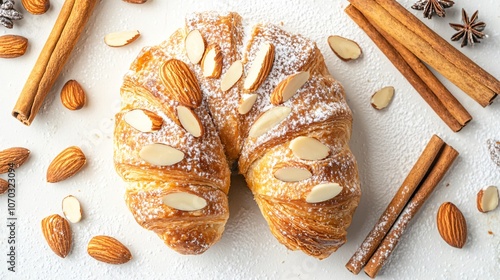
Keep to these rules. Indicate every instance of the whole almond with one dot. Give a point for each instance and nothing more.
(109, 250)
(181, 83)
(36, 7)
(13, 156)
(4, 186)
(66, 164)
(12, 46)
(57, 233)
(451, 225)
(73, 96)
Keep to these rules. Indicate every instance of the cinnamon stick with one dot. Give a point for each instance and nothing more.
(438, 43)
(391, 213)
(69, 25)
(430, 89)
(390, 242)
(424, 51)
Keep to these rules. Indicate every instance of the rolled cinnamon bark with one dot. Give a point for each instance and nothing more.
(62, 39)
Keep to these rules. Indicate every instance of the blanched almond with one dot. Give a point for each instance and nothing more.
(161, 154)
(184, 201)
(246, 103)
(288, 87)
(122, 38)
(143, 120)
(195, 46)
(232, 76)
(269, 120)
(72, 209)
(190, 121)
(308, 148)
(260, 68)
(323, 192)
(212, 62)
(291, 171)
(344, 48)
(487, 199)
(382, 97)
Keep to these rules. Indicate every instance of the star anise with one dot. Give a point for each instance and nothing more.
(431, 7)
(8, 13)
(470, 32)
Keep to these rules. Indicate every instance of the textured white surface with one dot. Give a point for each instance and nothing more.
(386, 144)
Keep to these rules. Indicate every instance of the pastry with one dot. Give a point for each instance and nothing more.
(188, 116)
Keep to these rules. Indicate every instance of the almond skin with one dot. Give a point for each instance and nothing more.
(36, 7)
(180, 83)
(66, 164)
(135, 1)
(12, 46)
(109, 250)
(16, 156)
(4, 186)
(57, 233)
(451, 225)
(73, 96)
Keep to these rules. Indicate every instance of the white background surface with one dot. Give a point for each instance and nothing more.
(386, 144)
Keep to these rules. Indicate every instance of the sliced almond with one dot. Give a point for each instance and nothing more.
(246, 103)
(122, 38)
(73, 96)
(72, 209)
(292, 172)
(143, 120)
(260, 68)
(382, 97)
(184, 201)
(181, 84)
(108, 249)
(161, 154)
(57, 233)
(212, 62)
(323, 192)
(344, 48)
(487, 199)
(66, 164)
(309, 148)
(13, 158)
(12, 46)
(451, 225)
(195, 46)
(190, 121)
(232, 76)
(288, 87)
(268, 120)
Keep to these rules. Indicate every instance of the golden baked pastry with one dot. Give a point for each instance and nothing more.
(187, 116)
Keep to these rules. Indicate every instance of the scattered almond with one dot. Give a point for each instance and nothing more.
(143, 120)
(190, 121)
(36, 7)
(181, 83)
(212, 62)
(13, 156)
(161, 154)
(451, 225)
(344, 48)
(195, 46)
(382, 97)
(309, 148)
(109, 250)
(269, 120)
(136, 1)
(288, 87)
(12, 46)
(184, 201)
(122, 38)
(292, 172)
(4, 186)
(66, 164)
(73, 96)
(57, 233)
(232, 76)
(72, 209)
(487, 199)
(323, 192)
(260, 68)
(246, 103)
